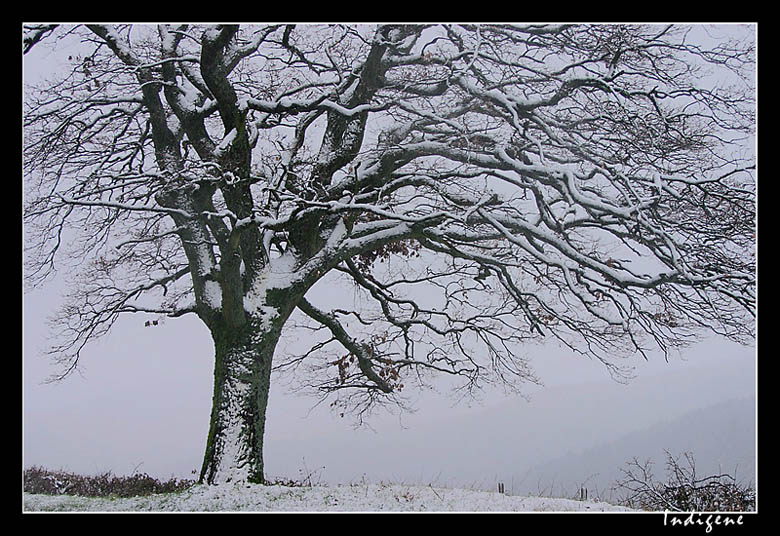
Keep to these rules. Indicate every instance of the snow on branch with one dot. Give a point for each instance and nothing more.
(581, 182)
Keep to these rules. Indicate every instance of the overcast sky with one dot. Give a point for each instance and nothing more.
(143, 399)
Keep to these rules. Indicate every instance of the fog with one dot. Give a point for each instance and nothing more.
(142, 397)
(141, 400)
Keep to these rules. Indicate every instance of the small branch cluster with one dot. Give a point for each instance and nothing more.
(684, 490)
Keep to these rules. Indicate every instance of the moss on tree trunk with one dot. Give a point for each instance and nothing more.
(242, 379)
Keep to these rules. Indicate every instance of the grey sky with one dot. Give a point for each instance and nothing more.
(144, 398)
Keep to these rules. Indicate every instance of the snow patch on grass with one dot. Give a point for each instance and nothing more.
(352, 498)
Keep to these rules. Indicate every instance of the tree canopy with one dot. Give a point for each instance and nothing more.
(482, 186)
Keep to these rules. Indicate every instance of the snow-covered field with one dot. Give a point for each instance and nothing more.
(352, 498)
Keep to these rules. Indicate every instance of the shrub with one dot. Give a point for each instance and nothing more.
(684, 490)
(43, 481)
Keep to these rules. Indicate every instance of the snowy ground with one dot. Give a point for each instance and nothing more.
(353, 498)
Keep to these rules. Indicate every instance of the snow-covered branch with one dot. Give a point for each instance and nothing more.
(581, 182)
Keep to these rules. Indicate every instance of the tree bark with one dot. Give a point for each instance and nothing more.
(242, 379)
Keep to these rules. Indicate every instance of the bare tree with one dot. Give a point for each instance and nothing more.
(482, 187)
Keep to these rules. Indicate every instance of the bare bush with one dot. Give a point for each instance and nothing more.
(684, 490)
(47, 482)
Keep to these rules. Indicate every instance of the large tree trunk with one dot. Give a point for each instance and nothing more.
(242, 374)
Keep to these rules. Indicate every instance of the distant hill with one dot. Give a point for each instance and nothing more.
(560, 435)
(721, 438)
